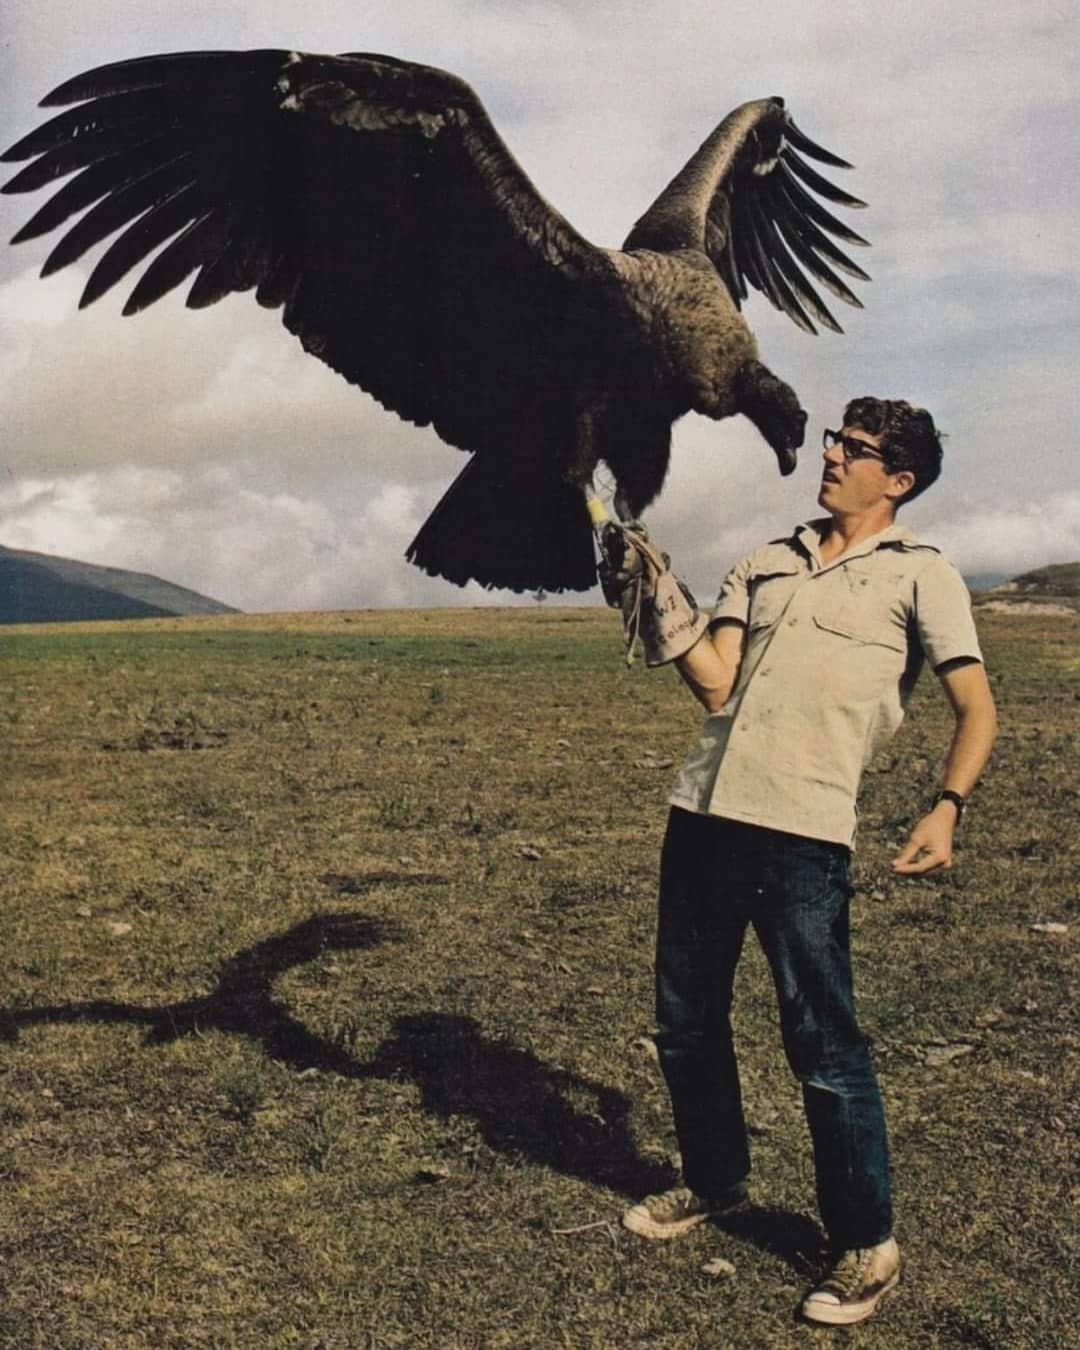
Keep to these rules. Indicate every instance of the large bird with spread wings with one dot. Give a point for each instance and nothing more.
(372, 201)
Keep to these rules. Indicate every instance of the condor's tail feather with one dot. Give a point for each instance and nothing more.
(504, 531)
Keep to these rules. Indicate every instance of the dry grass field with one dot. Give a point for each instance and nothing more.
(326, 996)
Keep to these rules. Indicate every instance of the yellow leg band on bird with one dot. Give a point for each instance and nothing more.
(598, 513)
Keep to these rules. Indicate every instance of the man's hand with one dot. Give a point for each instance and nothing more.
(930, 844)
(656, 605)
(621, 564)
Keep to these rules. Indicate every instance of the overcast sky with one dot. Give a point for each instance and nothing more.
(208, 449)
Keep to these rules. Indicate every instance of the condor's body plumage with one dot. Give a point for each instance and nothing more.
(373, 201)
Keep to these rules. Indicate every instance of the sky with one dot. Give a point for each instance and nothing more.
(207, 448)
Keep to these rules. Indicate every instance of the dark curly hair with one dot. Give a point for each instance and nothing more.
(909, 439)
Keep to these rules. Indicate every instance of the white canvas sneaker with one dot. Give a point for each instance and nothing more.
(855, 1285)
(677, 1211)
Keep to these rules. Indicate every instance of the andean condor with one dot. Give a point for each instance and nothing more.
(373, 201)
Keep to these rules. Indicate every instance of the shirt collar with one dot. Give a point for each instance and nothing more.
(811, 534)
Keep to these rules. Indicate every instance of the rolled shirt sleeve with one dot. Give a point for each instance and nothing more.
(943, 617)
(733, 601)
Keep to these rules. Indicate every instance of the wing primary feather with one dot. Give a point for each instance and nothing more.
(90, 149)
(210, 286)
(742, 231)
(77, 123)
(148, 72)
(174, 263)
(781, 295)
(741, 291)
(94, 182)
(803, 142)
(816, 239)
(215, 281)
(116, 211)
(243, 260)
(138, 240)
(819, 270)
(813, 209)
(277, 286)
(91, 184)
(796, 295)
(815, 182)
(788, 266)
(773, 284)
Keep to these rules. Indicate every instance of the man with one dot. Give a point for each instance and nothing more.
(804, 670)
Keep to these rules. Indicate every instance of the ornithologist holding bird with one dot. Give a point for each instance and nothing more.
(804, 669)
(374, 203)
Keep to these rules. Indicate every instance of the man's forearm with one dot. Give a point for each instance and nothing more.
(969, 693)
(930, 844)
(711, 667)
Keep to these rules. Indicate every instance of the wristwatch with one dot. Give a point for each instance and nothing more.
(948, 795)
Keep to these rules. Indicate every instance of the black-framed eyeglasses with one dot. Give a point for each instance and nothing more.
(853, 449)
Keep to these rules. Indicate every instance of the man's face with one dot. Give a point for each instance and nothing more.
(854, 478)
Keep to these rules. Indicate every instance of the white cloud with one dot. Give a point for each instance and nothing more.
(206, 529)
(1011, 539)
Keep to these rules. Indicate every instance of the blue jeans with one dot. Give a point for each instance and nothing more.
(716, 877)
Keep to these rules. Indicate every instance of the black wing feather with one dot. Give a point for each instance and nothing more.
(770, 271)
(176, 71)
(788, 268)
(740, 199)
(370, 197)
(802, 142)
(117, 210)
(815, 182)
(814, 265)
(175, 262)
(813, 237)
(139, 240)
(814, 211)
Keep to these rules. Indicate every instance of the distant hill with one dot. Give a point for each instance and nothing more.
(41, 588)
(1056, 587)
(1060, 579)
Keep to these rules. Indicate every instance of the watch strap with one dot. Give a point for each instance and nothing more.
(948, 795)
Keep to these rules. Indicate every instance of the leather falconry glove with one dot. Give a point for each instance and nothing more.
(656, 605)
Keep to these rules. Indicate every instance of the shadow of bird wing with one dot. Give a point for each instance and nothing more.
(369, 197)
(749, 199)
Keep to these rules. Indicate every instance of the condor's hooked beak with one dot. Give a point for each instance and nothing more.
(787, 457)
(786, 448)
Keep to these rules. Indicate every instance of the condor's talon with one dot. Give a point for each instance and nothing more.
(623, 509)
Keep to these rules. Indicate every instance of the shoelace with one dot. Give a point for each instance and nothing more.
(848, 1274)
(670, 1203)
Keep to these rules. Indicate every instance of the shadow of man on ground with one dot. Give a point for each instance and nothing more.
(522, 1106)
(243, 1001)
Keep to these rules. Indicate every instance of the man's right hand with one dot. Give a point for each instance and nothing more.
(621, 564)
(656, 605)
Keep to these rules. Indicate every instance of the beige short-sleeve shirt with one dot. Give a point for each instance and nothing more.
(832, 655)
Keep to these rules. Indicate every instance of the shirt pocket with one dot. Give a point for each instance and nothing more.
(864, 606)
(863, 629)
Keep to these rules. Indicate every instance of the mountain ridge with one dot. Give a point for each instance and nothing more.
(48, 588)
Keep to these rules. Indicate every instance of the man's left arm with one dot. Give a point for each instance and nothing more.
(930, 844)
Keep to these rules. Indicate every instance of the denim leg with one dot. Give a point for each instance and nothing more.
(699, 939)
(804, 932)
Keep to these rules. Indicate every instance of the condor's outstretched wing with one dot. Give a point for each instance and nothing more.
(750, 199)
(372, 198)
